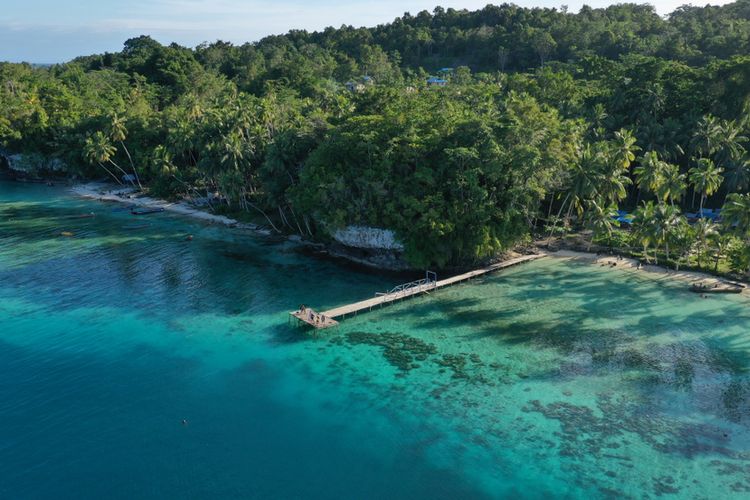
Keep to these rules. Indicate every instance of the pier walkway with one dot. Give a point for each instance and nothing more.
(329, 318)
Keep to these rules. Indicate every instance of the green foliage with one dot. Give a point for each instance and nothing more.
(547, 116)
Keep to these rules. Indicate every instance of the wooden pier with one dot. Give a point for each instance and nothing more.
(329, 318)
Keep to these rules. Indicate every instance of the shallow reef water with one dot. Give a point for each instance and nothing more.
(134, 363)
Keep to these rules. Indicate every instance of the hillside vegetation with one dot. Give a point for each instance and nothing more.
(536, 120)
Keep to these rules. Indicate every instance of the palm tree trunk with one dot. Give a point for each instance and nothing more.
(130, 159)
(110, 173)
(264, 215)
(283, 219)
(703, 198)
(554, 225)
(296, 220)
(551, 202)
(121, 170)
(307, 224)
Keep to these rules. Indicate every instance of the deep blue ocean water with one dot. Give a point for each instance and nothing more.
(136, 364)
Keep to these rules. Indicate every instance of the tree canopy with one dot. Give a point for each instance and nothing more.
(534, 117)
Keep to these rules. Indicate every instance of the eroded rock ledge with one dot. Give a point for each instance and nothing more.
(369, 246)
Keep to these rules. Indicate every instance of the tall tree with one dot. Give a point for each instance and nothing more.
(672, 184)
(99, 150)
(650, 173)
(706, 179)
(118, 132)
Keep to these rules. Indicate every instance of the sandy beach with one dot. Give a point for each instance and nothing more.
(651, 271)
(108, 192)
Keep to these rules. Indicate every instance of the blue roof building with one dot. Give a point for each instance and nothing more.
(433, 80)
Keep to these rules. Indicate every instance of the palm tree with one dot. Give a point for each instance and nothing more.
(162, 162)
(600, 219)
(598, 120)
(656, 225)
(672, 136)
(582, 185)
(707, 136)
(666, 219)
(736, 214)
(642, 228)
(118, 132)
(611, 162)
(730, 142)
(612, 187)
(722, 242)
(683, 240)
(706, 178)
(737, 174)
(583, 182)
(98, 150)
(624, 148)
(649, 173)
(105, 151)
(704, 231)
(672, 185)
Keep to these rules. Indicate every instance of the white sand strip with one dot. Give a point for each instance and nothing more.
(106, 192)
(650, 270)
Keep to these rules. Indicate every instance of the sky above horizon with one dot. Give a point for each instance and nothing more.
(52, 31)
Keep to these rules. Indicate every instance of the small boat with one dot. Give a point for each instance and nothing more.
(146, 211)
(726, 287)
(137, 226)
(67, 234)
(124, 209)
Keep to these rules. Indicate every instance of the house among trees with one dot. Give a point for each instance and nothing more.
(352, 86)
(359, 86)
(434, 81)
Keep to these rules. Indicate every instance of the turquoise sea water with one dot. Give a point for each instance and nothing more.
(548, 379)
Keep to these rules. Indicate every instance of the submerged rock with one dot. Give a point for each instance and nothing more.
(399, 350)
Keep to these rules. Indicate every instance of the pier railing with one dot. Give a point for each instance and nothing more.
(418, 286)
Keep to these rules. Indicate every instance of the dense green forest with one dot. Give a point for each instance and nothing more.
(535, 121)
